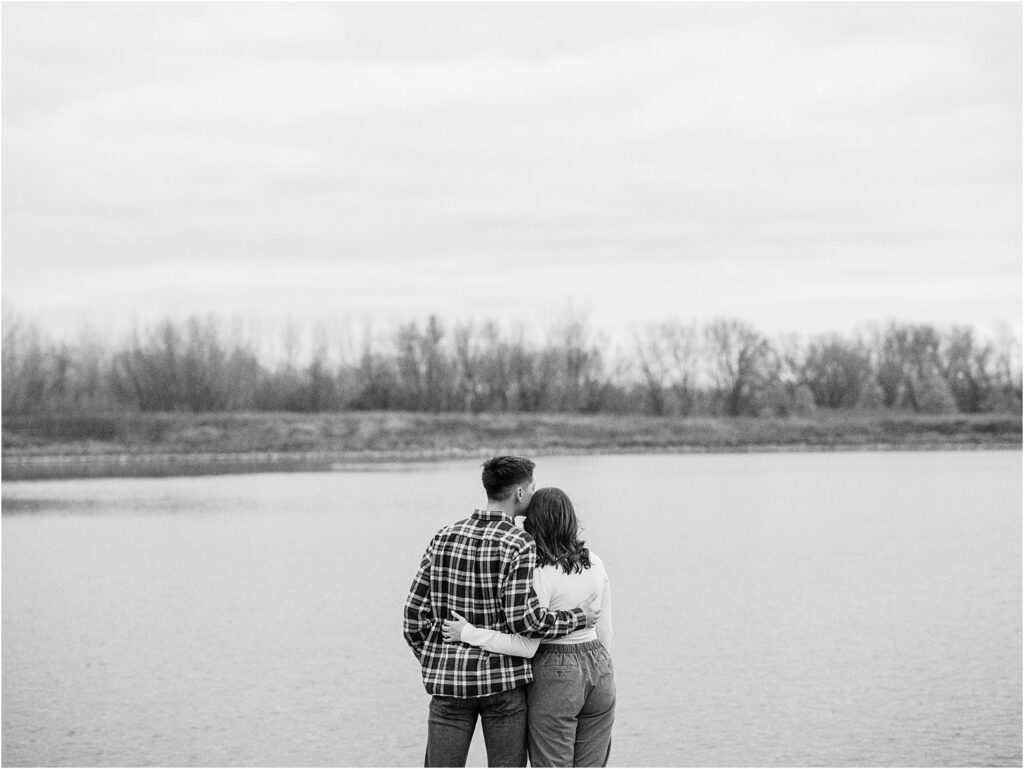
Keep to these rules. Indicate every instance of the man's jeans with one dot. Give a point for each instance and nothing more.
(452, 722)
(571, 705)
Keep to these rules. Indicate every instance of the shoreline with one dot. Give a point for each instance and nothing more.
(162, 445)
(162, 465)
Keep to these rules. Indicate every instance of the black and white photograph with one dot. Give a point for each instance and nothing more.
(511, 383)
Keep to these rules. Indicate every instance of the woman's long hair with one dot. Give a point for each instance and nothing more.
(551, 521)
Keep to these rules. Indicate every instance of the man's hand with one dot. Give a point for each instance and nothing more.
(453, 628)
(593, 615)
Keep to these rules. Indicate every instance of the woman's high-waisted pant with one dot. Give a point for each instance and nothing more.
(571, 705)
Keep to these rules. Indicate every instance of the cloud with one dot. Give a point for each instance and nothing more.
(401, 157)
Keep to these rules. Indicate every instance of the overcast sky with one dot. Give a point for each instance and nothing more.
(805, 167)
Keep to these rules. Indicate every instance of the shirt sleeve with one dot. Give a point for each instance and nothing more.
(524, 612)
(500, 643)
(604, 623)
(541, 586)
(418, 617)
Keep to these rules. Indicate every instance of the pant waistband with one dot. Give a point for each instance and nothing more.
(586, 646)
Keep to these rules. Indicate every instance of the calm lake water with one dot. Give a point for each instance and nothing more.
(770, 609)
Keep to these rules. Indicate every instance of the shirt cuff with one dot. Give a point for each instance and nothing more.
(581, 616)
(467, 629)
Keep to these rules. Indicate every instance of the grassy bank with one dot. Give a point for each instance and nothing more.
(173, 444)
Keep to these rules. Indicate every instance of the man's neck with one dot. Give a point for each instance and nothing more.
(501, 507)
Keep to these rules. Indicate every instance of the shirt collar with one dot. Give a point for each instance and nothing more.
(491, 515)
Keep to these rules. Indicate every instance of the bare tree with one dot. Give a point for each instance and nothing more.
(1006, 393)
(966, 366)
(668, 356)
(836, 370)
(25, 378)
(469, 363)
(580, 366)
(422, 365)
(908, 356)
(672, 368)
(741, 358)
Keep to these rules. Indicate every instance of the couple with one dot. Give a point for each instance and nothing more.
(489, 596)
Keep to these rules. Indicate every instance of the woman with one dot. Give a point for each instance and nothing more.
(571, 703)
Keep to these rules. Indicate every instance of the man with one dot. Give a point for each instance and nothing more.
(482, 568)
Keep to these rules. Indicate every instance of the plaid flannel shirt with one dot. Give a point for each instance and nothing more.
(481, 567)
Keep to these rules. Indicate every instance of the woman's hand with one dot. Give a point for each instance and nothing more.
(453, 628)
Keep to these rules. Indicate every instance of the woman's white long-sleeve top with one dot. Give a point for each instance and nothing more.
(556, 590)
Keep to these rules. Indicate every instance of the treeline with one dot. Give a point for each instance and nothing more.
(724, 367)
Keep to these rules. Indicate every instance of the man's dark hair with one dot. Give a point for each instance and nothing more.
(502, 475)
